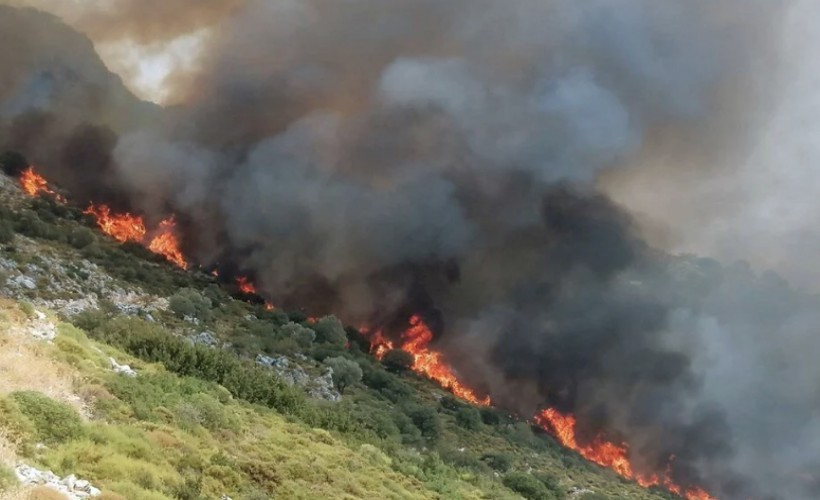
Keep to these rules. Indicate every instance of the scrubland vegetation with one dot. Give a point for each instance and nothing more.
(200, 422)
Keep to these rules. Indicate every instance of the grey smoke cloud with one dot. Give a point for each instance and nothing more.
(459, 159)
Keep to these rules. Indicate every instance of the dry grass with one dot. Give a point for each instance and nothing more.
(26, 365)
(16, 494)
(8, 449)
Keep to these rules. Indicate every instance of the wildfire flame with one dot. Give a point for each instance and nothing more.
(34, 184)
(245, 285)
(127, 227)
(121, 227)
(427, 362)
(166, 243)
(610, 455)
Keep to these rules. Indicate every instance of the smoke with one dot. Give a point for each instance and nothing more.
(460, 160)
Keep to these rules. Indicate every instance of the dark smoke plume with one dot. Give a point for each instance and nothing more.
(453, 159)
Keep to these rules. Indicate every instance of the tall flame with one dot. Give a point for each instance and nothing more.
(166, 243)
(121, 227)
(34, 184)
(427, 362)
(245, 285)
(610, 455)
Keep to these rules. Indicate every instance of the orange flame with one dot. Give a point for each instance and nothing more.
(127, 227)
(379, 344)
(166, 243)
(34, 184)
(610, 455)
(415, 340)
(121, 227)
(245, 285)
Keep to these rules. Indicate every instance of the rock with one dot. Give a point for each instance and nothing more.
(42, 330)
(22, 281)
(69, 486)
(324, 388)
(122, 369)
(294, 375)
(205, 338)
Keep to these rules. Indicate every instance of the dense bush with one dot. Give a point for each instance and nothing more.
(6, 232)
(53, 421)
(345, 372)
(80, 237)
(30, 224)
(397, 360)
(7, 478)
(469, 418)
(242, 378)
(388, 385)
(190, 303)
(302, 336)
(425, 419)
(329, 330)
(490, 416)
(497, 461)
(527, 486)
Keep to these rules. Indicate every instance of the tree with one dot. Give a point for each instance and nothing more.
(303, 336)
(397, 360)
(13, 163)
(329, 330)
(345, 372)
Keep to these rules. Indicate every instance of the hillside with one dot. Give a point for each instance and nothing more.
(227, 398)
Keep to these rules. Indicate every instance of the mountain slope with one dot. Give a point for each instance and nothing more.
(201, 419)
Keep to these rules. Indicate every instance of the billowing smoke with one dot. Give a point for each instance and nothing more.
(457, 159)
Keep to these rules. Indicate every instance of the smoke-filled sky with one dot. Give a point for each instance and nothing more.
(525, 174)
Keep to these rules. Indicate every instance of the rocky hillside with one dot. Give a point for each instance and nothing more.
(123, 377)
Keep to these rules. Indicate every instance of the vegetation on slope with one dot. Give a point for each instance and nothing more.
(202, 422)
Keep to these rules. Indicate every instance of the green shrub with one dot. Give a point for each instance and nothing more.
(426, 420)
(345, 372)
(54, 422)
(80, 237)
(527, 486)
(189, 302)
(497, 461)
(389, 385)
(6, 232)
(469, 418)
(7, 478)
(551, 482)
(27, 309)
(302, 336)
(397, 360)
(594, 496)
(244, 379)
(490, 416)
(329, 330)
